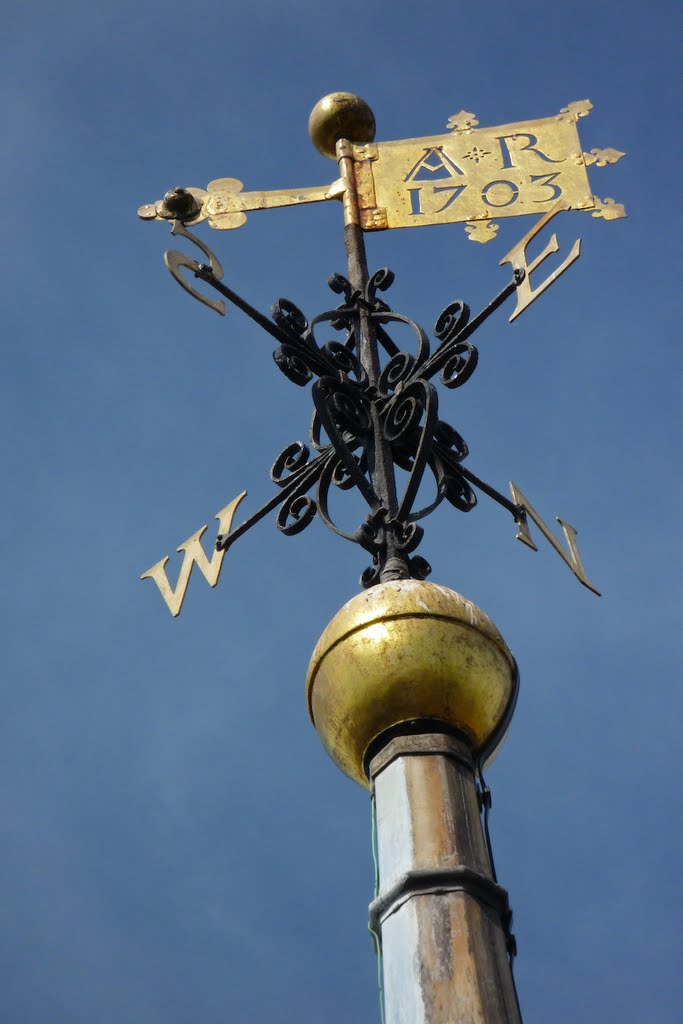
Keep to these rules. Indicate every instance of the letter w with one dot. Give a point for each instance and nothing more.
(194, 553)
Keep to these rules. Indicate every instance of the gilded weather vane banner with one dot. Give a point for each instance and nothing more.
(469, 175)
(472, 174)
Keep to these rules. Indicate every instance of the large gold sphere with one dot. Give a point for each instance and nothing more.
(401, 651)
(341, 115)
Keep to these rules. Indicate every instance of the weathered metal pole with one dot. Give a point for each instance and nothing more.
(407, 686)
(438, 911)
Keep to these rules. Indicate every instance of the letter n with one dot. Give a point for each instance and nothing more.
(570, 555)
(193, 553)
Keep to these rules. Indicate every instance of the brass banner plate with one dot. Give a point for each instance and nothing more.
(475, 174)
(470, 175)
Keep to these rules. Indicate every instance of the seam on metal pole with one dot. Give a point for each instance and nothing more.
(407, 739)
(436, 881)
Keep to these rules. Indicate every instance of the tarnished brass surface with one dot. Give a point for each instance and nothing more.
(404, 650)
(340, 115)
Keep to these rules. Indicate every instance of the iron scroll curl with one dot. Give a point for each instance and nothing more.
(350, 409)
(404, 403)
(357, 421)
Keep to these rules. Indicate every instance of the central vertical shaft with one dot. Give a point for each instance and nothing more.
(409, 686)
(357, 260)
(380, 455)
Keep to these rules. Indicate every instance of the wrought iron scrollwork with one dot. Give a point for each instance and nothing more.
(362, 428)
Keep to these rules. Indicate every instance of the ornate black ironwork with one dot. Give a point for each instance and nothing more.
(363, 428)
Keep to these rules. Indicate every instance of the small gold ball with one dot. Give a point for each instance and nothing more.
(341, 115)
(403, 651)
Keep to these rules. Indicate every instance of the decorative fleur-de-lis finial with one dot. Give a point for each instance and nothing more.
(463, 121)
(602, 157)
(577, 109)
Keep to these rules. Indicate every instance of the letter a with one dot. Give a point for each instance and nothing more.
(194, 552)
(436, 165)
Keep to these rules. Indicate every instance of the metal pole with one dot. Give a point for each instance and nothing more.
(438, 913)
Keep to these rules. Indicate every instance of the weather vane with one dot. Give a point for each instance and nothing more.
(411, 687)
(375, 406)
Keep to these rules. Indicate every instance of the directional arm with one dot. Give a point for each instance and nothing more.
(224, 205)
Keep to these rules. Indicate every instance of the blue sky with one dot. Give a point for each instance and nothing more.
(176, 845)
